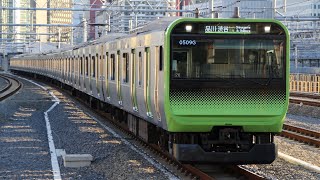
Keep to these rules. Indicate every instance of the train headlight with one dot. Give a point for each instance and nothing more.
(267, 29)
(188, 28)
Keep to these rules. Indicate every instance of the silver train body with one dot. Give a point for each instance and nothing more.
(125, 71)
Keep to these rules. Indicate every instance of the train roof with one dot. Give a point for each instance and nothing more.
(156, 25)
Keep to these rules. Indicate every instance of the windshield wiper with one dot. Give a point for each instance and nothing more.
(257, 82)
(227, 79)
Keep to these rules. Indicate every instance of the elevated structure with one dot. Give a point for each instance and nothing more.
(225, 9)
(125, 16)
(60, 17)
(303, 20)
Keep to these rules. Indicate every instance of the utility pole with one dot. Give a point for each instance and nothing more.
(85, 33)
(211, 6)
(296, 56)
(71, 37)
(59, 38)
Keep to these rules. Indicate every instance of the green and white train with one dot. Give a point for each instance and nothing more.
(205, 90)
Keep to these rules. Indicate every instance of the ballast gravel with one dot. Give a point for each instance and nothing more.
(304, 110)
(301, 116)
(304, 116)
(24, 151)
(78, 133)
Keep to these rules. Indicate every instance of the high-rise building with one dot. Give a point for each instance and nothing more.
(301, 8)
(225, 8)
(6, 17)
(59, 17)
(77, 18)
(31, 17)
(96, 4)
(122, 18)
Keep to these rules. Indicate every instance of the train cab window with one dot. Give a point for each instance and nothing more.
(125, 67)
(140, 69)
(229, 58)
(112, 66)
(93, 67)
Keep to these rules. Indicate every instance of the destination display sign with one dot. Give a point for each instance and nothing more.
(227, 29)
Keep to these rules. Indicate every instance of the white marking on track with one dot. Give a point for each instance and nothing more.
(54, 159)
(299, 162)
(134, 148)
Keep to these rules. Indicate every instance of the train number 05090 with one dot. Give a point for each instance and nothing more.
(187, 42)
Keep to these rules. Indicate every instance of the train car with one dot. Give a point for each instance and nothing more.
(205, 90)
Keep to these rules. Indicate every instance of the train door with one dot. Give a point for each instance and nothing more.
(133, 81)
(112, 83)
(102, 72)
(83, 70)
(158, 66)
(118, 77)
(93, 70)
(87, 74)
(99, 71)
(147, 78)
(125, 79)
(139, 82)
(106, 74)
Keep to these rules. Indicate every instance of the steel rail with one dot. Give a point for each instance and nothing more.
(313, 100)
(13, 87)
(306, 95)
(8, 85)
(301, 135)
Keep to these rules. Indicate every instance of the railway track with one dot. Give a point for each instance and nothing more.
(305, 98)
(301, 135)
(13, 85)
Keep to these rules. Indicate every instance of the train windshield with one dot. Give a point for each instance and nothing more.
(210, 57)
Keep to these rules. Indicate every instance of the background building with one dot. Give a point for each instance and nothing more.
(225, 8)
(121, 17)
(6, 17)
(60, 17)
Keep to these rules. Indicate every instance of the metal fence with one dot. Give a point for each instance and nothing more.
(309, 83)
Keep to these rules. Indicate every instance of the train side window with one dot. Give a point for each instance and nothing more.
(86, 66)
(140, 69)
(112, 66)
(125, 67)
(81, 65)
(70, 64)
(93, 67)
(99, 65)
(160, 58)
(107, 65)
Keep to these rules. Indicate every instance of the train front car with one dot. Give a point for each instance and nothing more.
(226, 89)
